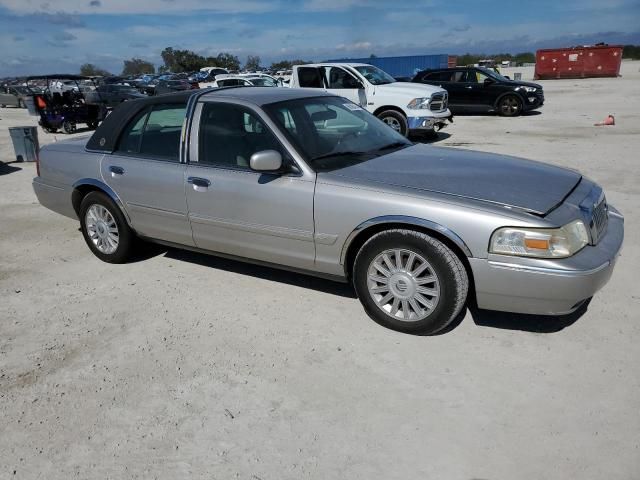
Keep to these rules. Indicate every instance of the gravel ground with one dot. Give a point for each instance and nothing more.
(180, 365)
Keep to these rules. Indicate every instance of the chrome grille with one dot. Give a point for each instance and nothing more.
(599, 219)
(438, 102)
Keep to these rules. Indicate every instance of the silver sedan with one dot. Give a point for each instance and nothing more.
(313, 183)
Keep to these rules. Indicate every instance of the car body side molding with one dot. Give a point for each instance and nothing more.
(404, 220)
(106, 189)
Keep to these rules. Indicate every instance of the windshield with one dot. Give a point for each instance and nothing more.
(374, 75)
(262, 82)
(492, 73)
(332, 132)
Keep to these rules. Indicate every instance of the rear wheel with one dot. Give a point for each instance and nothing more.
(410, 282)
(395, 120)
(105, 229)
(510, 106)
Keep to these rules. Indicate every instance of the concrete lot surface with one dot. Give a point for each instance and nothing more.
(180, 365)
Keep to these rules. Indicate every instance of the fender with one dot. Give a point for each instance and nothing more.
(106, 189)
(403, 220)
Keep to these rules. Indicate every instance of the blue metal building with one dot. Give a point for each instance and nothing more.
(402, 66)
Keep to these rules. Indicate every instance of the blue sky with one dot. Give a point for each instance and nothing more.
(44, 36)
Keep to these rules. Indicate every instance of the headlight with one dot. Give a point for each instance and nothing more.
(419, 103)
(540, 242)
(530, 89)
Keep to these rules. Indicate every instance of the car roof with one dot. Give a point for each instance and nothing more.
(325, 64)
(264, 95)
(106, 136)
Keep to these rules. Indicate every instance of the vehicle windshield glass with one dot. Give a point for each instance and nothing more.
(332, 132)
(374, 75)
(492, 73)
(262, 82)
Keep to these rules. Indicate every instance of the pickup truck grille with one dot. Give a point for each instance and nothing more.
(599, 220)
(439, 102)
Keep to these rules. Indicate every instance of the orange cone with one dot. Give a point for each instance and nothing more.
(610, 120)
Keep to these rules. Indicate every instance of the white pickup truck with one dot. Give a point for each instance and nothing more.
(405, 107)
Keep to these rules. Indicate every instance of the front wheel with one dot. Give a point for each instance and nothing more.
(105, 229)
(510, 106)
(395, 120)
(410, 282)
(68, 127)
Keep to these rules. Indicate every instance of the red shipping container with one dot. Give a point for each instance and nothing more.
(578, 62)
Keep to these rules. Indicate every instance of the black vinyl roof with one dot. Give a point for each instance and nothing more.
(105, 138)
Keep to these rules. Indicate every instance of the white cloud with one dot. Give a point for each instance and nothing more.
(158, 7)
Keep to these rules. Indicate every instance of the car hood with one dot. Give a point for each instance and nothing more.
(525, 184)
(518, 83)
(413, 90)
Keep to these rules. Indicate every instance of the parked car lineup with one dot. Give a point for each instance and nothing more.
(14, 96)
(113, 95)
(482, 89)
(417, 229)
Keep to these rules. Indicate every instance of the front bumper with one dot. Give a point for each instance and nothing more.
(548, 287)
(531, 101)
(425, 120)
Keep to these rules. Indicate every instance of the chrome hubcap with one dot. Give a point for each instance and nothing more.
(392, 122)
(403, 285)
(102, 229)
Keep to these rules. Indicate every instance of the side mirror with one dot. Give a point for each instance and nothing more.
(488, 81)
(266, 161)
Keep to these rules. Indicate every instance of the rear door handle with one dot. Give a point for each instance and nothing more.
(469, 87)
(116, 170)
(199, 184)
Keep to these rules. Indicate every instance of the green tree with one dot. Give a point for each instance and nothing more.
(228, 61)
(287, 64)
(137, 66)
(90, 70)
(631, 51)
(252, 63)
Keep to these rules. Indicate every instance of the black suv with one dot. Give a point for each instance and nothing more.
(481, 89)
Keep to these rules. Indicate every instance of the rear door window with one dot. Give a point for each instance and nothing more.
(310, 77)
(438, 77)
(155, 133)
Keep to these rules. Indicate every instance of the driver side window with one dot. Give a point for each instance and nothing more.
(230, 134)
(341, 79)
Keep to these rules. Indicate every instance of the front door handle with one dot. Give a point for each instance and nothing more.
(115, 170)
(199, 184)
(469, 87)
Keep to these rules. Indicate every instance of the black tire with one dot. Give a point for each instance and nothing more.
(444, 265)
(2, 105)
(395, 120)
(50, 129)
(68, 127)
(126, 240)
(510, 106)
